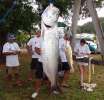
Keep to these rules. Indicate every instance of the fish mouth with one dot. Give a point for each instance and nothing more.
(47, 26)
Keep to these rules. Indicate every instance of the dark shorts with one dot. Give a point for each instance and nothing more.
(34, 63)
(39, 71)
(83, 61)
(64, 66)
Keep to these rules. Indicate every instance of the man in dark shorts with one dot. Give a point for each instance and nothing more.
(31, 49)
(39, 75)
(64, 63)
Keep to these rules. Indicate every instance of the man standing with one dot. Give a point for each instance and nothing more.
(31, 49)
(63, 42)
(11, 50)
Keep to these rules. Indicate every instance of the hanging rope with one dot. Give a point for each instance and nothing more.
(2, 20)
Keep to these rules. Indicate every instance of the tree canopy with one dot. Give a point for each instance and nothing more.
(21, 16)
(63, 5)
(89, 28)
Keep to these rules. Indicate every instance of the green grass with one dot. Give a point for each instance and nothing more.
(72, 93)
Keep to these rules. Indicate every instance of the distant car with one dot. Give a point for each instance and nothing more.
(92, 46)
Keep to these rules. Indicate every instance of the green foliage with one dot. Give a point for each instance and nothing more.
(63, 5)
(22, 38)
(86, 28)
(99, 3)
(22, 17)
(89, 28)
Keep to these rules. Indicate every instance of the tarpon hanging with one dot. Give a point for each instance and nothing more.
(49, 32)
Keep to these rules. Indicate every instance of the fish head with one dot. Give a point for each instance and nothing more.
(50, 16)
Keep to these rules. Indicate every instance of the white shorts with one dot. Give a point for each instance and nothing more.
(82, 63)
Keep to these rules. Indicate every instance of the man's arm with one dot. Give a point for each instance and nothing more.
(9, 53)
(38, 50)
(29, 49)
(18, 49)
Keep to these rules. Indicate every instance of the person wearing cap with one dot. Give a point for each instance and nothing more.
(34, 55)
(11, 50)
(82, 52)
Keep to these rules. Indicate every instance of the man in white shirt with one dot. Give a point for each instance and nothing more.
(63, 42)
(39, 74)
(82, 51)
(11, 50)
(31, 49)
(38, 70)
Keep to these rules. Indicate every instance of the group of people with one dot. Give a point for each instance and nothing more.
(34, 48)
(12, 50)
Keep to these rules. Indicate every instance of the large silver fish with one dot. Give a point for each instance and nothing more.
(50, 43)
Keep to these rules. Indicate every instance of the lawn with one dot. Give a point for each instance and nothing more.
(73, 93)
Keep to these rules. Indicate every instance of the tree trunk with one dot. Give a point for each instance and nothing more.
(97, 25)
(76, 10)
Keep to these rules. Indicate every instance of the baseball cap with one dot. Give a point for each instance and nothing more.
(11, 36)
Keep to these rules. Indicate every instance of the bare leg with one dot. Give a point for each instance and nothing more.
(30, 77)
(37, 85)
(47, 82)
(37, 88)
(65, 78)
(17, 76)
(9, 77)
(81, 68)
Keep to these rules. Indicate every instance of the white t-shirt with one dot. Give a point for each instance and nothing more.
(33, 42)
(39, 45)
(82, 51)
(11, 60)
(62, 45)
